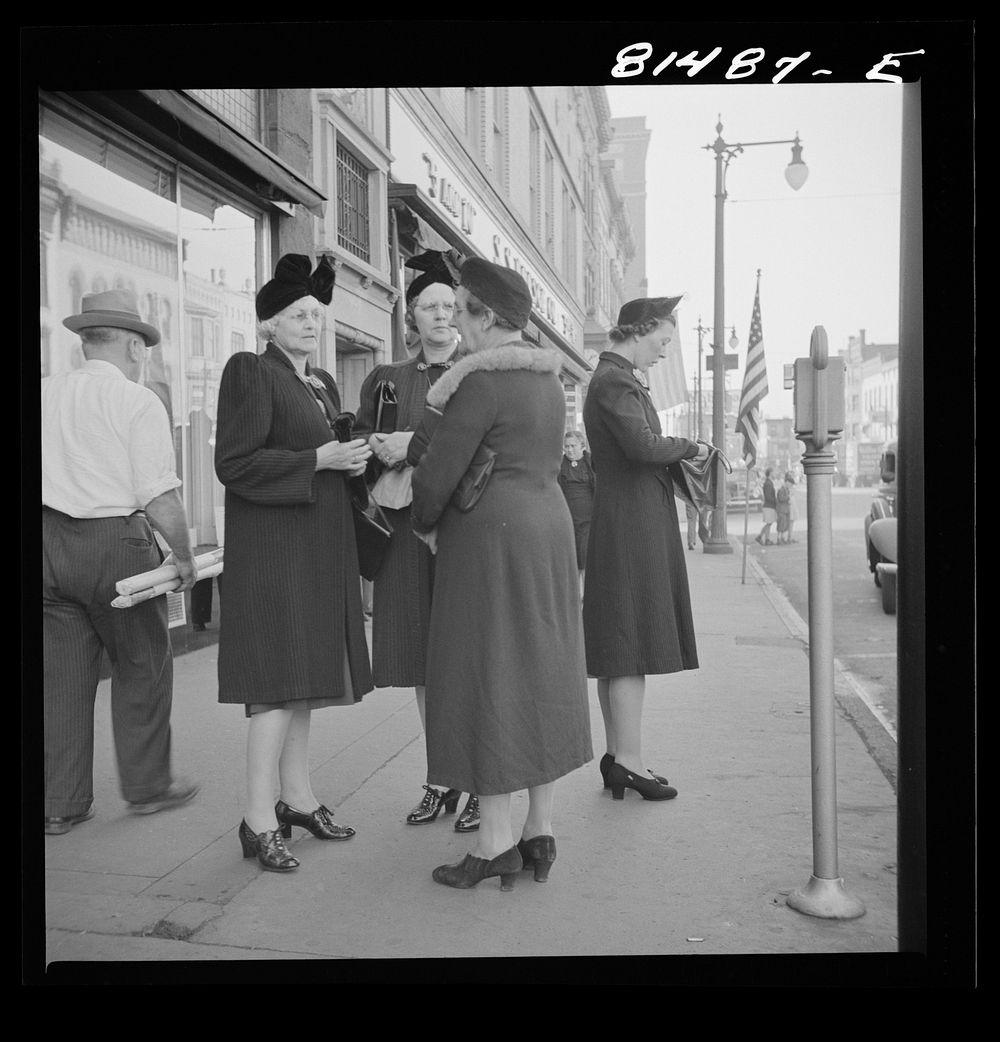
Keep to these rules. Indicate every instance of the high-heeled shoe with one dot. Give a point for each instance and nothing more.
(620, 779)
(468, 820)
(472, 870)
(538, 852)
(269, 848)
(319, 822)
(432, 804)
(607, 760)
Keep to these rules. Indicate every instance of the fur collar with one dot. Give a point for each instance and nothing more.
(516, 354)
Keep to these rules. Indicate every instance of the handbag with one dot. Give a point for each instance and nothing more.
(372, 530)
(385, 407)
(700, 482)
(472, 485)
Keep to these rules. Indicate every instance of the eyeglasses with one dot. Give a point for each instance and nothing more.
(316, 314)
(442, 306)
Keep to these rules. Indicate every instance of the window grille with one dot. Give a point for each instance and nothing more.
(352, 205)
(240, 107)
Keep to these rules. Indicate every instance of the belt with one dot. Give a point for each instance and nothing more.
(109, 517)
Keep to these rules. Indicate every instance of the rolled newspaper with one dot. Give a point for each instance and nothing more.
(146, 580)
(130, 600)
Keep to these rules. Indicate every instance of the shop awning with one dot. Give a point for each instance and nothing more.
(283, 182)
(430, 222)
(424, 210)
(192, 134)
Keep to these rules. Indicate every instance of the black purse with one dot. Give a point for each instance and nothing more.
(385, 407)
(472, 485)
(372, 530)
(699, 482)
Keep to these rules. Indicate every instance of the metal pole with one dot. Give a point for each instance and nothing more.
(698, 378)
(746, 524)
(718, 540)
(824, 894)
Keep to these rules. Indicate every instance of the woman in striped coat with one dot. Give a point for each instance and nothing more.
(636, 607)
(292, 633)
(401, 602)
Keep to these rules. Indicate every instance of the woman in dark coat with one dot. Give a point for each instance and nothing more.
(291, 633)
(506, 678)
(636, 607)
(576, 479)
(401, 604)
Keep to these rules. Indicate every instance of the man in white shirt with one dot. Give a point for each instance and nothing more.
(108, 480)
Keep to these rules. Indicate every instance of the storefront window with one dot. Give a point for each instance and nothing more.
(114, 214)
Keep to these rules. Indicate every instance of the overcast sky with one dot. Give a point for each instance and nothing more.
(828, 253)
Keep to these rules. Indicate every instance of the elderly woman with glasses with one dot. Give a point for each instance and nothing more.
(292, 635)
(401, 601)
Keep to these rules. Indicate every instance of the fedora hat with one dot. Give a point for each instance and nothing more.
(116, 308)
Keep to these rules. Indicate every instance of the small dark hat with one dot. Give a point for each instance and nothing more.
(499, 288)
(116, 308)
(435, 266)
(292, 281)
(642, 310)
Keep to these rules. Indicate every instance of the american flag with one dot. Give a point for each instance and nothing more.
(665, 380)
(754, 386)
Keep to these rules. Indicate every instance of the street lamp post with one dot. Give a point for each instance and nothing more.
(795, 174)
(701, 330)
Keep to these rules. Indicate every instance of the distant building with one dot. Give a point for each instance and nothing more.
(871, 406)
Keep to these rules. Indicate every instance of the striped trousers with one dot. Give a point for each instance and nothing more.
(81, 561)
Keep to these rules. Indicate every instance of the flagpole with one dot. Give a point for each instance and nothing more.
(746, 523)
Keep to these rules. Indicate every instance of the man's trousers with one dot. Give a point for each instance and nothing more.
(82, 560)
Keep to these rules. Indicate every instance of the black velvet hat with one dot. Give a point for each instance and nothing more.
(292, 282)
(499, 288)
(643, 309)
(435, 266)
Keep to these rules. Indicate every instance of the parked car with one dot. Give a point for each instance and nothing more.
(736, 494)
(881, 530)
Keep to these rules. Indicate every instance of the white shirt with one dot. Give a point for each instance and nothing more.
(107, 450)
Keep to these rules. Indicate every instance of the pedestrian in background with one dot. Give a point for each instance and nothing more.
(506, 686)
(576, 479)
(691, 513)
(787, 512)
(403, 586)
(291, 635)
(108, 480)
(770, 509)
(636, 607)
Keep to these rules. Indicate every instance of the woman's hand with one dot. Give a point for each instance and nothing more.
(351, 456)
(391, 449)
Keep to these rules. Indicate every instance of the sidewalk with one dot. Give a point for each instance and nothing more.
(705, 874)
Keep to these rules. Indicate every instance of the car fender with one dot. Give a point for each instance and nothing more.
(882, 534)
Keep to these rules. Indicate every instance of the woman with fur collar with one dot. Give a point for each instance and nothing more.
(506, 686)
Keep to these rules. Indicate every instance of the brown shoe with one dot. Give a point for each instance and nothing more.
(181, 791)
